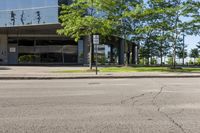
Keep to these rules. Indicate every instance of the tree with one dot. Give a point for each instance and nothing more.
(156, 25)
(182, 55)
(127, 15)
(160, 23)
(105, 17)
(169, 21)
(194, 53)
(193, 25)
(84, 18)
(198, 46)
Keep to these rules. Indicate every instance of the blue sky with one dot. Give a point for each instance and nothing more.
(192, 41)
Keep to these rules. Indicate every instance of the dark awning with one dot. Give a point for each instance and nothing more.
(36, 29)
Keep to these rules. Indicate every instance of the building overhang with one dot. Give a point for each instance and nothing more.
(47, 29)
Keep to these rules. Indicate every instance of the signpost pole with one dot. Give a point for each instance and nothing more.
(96, 59)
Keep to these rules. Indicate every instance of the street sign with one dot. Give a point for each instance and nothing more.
(96, 39)
(96, 42)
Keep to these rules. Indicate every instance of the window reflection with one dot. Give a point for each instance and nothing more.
(28, 12)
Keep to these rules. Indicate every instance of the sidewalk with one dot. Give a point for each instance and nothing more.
(27, 72)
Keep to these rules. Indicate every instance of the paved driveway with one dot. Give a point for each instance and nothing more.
(100, 106)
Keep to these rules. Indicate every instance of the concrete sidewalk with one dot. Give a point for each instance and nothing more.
(30, 72)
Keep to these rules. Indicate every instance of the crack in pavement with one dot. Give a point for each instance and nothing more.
(178, 112)
(165, 114)
(132, 98)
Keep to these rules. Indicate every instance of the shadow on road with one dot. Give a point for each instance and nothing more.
(4, 68)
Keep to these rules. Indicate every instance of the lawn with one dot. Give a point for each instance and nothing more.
(147, 69)
(135, 69)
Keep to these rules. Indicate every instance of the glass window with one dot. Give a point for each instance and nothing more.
(38, 3)
(28, 12)
(2, 4)
(3, 18)
(51, 15)
(25, 4)
(38, 16)
(12, 4)
(51, 2)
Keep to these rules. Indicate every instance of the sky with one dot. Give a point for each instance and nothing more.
(192, 41)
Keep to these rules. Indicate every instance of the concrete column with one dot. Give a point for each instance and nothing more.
(133, 54)
(137, 55)
(111, 53)
(80, 51)
(121, 51)
(3, 49)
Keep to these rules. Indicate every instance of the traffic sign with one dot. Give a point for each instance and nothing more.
(96, 39)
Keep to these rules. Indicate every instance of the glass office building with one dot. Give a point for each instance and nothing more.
(28, 36)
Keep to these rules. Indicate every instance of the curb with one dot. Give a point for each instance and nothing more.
(95, 77)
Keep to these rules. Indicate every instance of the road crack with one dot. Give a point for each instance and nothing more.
(154, 102)
(132, 98)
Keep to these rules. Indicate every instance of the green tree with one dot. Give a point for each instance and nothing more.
(105, 17)
(194, 54)
(182, 54)
(159, 21)
(127, 15)
(168, 20)
(84, 18)
(198, 46)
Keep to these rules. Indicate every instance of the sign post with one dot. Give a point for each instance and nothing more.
(96, 43)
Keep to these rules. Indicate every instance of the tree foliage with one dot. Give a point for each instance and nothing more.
(156, 25)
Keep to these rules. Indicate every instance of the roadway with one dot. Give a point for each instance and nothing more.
(100, 106)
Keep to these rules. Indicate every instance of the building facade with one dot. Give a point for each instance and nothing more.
(28, 36)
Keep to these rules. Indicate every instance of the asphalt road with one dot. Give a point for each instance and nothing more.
(100, 106)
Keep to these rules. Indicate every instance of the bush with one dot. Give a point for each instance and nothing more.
(191, 62)
(27, 58)
(198, 61)
(154, 61)
(170, 61)
(102, 60)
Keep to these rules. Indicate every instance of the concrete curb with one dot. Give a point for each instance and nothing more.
(96, 77)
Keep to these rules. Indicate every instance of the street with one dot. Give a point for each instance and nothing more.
(100, 106)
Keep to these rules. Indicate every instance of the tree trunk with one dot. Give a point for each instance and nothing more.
(91, 52)
(183, 49)
(174, 55)
(161, 51)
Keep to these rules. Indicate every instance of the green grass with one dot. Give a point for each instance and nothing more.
(133, 69)
(148, 69)
(75, 71)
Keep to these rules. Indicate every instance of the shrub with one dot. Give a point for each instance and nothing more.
(27, 58)
(198, 61)
(170, 61)
(153, 61)
(191, 62)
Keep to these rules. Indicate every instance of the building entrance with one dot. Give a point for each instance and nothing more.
(13, 53)
(44, 51)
